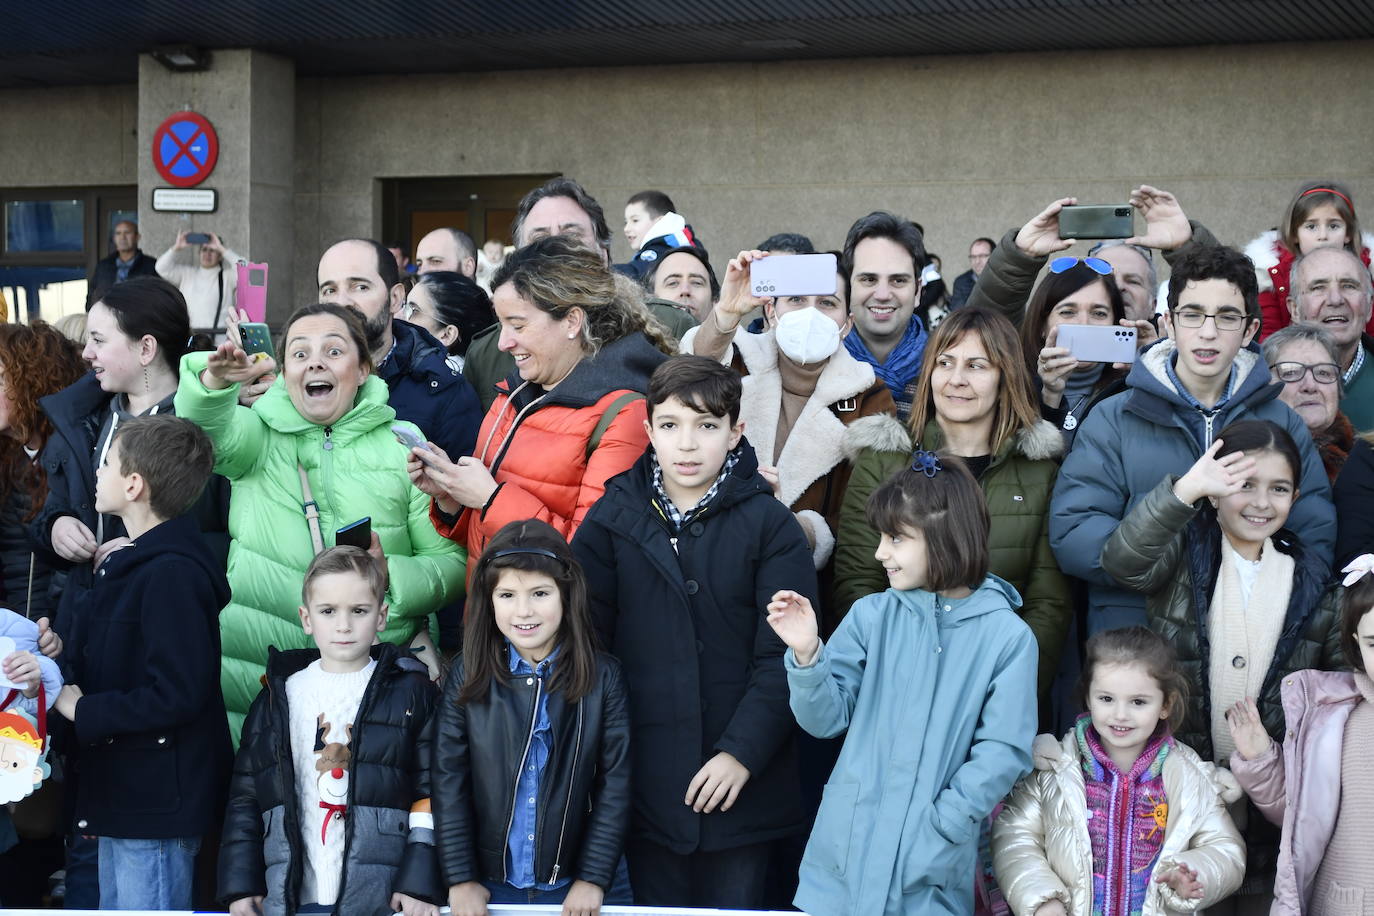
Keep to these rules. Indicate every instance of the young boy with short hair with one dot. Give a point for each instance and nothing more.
(333, 760)
(1181, 392)
(143, 693)
(682, 554)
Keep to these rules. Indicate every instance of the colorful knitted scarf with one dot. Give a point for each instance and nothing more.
(1126, 818)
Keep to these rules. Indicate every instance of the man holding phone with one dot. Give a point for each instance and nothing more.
(206, 279)
(883, 258)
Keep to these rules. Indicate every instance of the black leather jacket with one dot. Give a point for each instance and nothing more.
(583, 811)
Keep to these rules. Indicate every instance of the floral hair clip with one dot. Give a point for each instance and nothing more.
(1358, 568)
(927, 463)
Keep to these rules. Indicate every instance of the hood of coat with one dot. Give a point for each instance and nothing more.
(412, 345)
(994, 594)
(179, 536)
(1149, 375)
(76, 402)
(1305, 689)
(1038, 442)
(621, 365)
(370, 410)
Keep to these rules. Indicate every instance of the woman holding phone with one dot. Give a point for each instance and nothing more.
(808, 406)
(320, 436)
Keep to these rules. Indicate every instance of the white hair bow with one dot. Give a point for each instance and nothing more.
(1360, 566)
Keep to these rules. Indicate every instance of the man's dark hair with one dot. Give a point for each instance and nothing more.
(467, 248)
(562, 187)
(992, 246)
(702, 384)
(1216, 262)
(172, 455)
(386, 262)
(794, 242)
(695, 252)
(883, 225)
(656, 202)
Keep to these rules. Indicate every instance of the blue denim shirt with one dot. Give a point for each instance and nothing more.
(524, 822)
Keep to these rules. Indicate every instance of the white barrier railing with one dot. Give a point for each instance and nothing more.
(495, 909)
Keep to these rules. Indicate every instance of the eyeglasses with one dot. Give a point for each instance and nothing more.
(1322, 373)
(408, 310)
(1068, 262)
(1225, 321)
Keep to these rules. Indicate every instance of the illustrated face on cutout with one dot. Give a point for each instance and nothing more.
(22, 764)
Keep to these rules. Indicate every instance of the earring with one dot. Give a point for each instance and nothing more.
(147, 386)
(571, 336)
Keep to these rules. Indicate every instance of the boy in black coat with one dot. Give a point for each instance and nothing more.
(143, 690)
(681, 554)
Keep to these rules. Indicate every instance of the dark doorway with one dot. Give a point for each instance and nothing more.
(483, 206)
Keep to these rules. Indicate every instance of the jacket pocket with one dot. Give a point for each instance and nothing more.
(1341, 899)
(929, 859)
(135, 774)
(828, 847)
(379, 836)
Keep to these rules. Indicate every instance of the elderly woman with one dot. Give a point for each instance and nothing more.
(569, 417)
(1302, 357)
(975, 399)
(808, 406)
(321, 433)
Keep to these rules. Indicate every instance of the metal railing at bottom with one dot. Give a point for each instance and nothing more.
(497, 909)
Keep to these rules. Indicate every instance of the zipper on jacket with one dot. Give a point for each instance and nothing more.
(364, 710)
(1207, 418)
(572, 782)
(515, 793)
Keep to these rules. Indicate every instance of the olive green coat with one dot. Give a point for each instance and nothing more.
(1017, 485)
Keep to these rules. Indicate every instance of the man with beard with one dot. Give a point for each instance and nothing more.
(425, 390)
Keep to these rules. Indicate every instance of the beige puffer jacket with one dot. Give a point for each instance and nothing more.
(1041, 850)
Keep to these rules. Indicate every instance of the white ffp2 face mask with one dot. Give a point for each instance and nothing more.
(807, 336)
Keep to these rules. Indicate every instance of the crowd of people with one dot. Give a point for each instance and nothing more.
(621, 584)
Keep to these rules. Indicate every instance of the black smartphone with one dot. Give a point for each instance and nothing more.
(356, 534)
(1096, 222)
(197, 238)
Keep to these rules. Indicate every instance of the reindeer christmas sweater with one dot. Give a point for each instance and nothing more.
(323, 707)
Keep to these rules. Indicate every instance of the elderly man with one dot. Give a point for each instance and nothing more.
(127, 260)
(1302, 357)
(1331, 287)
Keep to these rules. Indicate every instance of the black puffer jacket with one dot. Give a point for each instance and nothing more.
(260, 852)
(685, 616)
(583, 811)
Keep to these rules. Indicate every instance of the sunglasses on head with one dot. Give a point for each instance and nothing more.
(1068, 262)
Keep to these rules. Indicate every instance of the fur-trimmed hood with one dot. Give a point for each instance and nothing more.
(1038, 442)
(1266, 252)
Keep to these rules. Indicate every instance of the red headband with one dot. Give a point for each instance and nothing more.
(1329, 191)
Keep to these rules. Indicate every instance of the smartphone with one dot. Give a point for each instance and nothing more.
(1111, 221)
(197, 238)
(356, 534)
(793, 275)
(1098, 343)
(256, 337)
(407, 437)
(251, 292)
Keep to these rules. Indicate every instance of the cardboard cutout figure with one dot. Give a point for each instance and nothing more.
(23, 756)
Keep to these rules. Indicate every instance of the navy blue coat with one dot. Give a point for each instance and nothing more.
(428, 392)
(107, 274)
(703, 667)
(152, 741)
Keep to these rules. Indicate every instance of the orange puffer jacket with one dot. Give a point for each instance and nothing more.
(535, 444)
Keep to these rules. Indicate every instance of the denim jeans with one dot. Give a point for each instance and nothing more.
(618, 894)
(147, 874)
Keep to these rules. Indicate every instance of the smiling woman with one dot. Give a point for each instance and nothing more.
(325, 421)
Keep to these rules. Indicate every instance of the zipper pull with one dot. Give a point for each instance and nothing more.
(554, 878)
(673, 541)
(328, 443)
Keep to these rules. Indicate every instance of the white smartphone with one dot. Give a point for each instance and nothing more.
(793, 275)
(1096, 343)
(407, 437)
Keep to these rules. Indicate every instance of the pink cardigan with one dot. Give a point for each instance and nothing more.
(1300, 787)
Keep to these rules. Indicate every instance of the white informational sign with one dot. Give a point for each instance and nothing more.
(185, 200)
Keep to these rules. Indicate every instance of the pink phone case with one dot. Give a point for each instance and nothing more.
(251, 293)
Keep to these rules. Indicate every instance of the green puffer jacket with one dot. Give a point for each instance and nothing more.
(1017, 485)
(1170, 551)
(356, 468)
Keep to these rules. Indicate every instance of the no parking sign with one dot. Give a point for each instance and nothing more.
(185, 148)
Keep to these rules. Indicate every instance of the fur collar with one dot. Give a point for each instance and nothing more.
(1265, 251)
(1038, 442)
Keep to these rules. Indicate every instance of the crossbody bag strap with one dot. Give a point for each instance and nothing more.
(311, 510)
(608, 418)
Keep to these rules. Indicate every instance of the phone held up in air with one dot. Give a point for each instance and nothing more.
(793, 275)
(250, 294)
(197, 238)
(1094, 343)
(355, 534)
(1112, 221)
(256, 337)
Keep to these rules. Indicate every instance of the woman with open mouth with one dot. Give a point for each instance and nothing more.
(320, 436)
